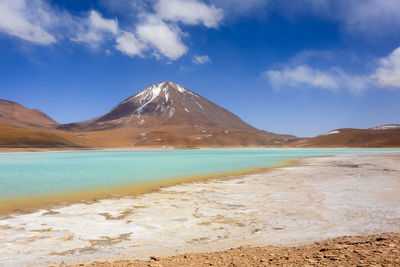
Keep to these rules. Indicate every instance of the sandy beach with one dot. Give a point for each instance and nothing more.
(323, 197)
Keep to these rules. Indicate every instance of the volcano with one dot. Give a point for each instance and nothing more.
(172, 114)
(164, 104)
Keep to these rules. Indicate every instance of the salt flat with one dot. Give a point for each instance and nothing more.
(321, 198)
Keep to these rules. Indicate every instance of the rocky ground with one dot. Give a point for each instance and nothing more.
(381, 250)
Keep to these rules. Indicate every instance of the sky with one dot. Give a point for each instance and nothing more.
(301, 67)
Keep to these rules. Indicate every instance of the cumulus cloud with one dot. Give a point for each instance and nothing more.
(189, 12)
(95, 29)
(298, 73)
(27, 20)
(304, 76)
(156, 31)
(165, 38)
(388, 73)
(160, 29)
(129, 45)
(200, 59)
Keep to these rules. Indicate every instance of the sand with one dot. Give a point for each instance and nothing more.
(324, 198)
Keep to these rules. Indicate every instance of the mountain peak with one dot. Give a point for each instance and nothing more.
(167, 104)
(165, 86)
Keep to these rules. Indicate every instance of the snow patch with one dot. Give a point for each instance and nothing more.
(152, 91)
(199, 104)
(387, 127)
(333, 132)
(187, 110)
(180, 89)
(171, 112)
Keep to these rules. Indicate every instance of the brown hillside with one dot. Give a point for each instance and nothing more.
(12, 113)
(374, 137)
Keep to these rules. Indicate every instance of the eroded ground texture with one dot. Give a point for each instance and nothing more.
(375, 250)
(325, 197)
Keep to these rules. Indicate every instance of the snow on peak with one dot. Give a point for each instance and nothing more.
(387, 127)
(180, 89)
(333, 132)
(147, 96)
(174, 86)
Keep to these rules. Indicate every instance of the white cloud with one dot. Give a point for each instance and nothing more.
(159, 29)
(157, 33)
(26, 20)
(191, 12)
(388, 73)
(200, 59)
(99, 23)
(304, 76)
(96, 28)
(129, 45)
(299, 74)
(165, 38)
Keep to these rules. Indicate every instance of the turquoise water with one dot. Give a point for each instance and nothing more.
(30, 174)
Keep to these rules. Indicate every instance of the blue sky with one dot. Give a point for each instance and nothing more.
(300, 67)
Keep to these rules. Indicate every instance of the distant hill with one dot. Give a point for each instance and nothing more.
(12, 113)
(380, 136)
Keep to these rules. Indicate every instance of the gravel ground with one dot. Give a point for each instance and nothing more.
(381, 250)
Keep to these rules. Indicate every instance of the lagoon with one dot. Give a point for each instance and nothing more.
(33, 174)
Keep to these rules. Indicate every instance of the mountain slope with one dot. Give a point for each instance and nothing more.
(23, 137)
(12, 113)
(380, 136)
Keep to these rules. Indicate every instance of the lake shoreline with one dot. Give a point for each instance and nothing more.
(29, 203)
(321, 198)
(6, 150)
(34, 203)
